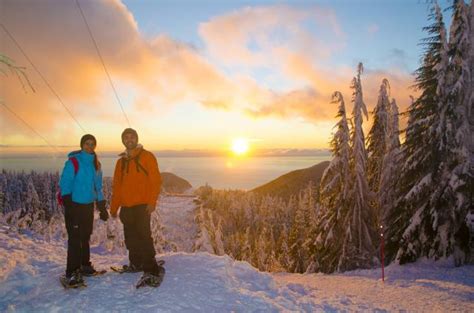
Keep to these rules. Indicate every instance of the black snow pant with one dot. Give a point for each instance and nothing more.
(79, 219)
(138, 240)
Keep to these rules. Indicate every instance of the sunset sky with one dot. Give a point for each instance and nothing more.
(199, 74)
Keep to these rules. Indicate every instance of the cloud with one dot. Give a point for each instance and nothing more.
(248, 37)
(292, 104)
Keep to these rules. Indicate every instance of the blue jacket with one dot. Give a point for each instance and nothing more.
(85, 186)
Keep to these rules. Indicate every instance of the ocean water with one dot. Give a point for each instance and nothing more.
(218, 172)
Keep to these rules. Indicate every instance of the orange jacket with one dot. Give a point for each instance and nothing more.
(135, 183)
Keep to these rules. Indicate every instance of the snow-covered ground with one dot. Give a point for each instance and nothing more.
(30, 267)
(177, 214)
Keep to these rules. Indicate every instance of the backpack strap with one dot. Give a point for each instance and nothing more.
(124, 166)
(75, 163)
(138, 165)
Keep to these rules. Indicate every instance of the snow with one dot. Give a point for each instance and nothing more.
(420, 287)
(30, 267)
(177, 215)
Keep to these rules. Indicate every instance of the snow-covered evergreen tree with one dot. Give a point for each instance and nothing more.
(434, 191)
(334, 191)
(31, 199)
(261, 250)
(418, 151)
(219, 245)
(359, 225)
(3, 194)
(378, 136)
(283, 254)
(299, 250)
(390, 165)
(377, 142)
(295, 243)
(203, 240)
(157, 233)
(246, 247)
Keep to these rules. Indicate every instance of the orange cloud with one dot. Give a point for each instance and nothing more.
(249, 36)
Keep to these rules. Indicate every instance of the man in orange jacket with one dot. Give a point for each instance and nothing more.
(136, 187)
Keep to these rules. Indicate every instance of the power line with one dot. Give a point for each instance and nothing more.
(41, 75)
(102, 61)
(28, 125)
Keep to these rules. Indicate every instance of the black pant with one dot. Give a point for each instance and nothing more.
(136, 228)
(79, 219)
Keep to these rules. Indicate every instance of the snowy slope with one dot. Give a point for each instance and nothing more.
(30, 267)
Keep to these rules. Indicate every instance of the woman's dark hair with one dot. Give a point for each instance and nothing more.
(96, 162)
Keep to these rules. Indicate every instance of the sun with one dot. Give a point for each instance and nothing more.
(240, 146)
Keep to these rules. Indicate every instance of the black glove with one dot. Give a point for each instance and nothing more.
(67, 201)
(103, 214)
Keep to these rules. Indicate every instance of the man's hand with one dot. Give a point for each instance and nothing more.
(150, 208)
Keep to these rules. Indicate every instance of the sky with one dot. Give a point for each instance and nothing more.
(199, 74)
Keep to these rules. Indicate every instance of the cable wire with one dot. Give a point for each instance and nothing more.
(102, 61)
(41, 75)
(28, 125)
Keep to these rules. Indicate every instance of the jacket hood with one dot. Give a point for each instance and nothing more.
(74, 153)
(80, 153)
(132, 154)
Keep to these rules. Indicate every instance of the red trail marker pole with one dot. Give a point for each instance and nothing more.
(382, 253)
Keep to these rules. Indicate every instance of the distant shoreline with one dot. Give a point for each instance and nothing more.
(179, 153)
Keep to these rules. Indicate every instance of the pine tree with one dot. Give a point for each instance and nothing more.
(3, 193)
(31, 200)
(261, 250)
(461, 51)
(417, 150)
(458, 165)
(299, 231)
(203, 239)
(334, 190)
(377, 141)
(283, 250)
(390, 165)
(219, 245)
(358, 233)
(433, 191)
(157, 233)
(246, 247)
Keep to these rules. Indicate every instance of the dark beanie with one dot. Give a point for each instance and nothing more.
(87, 137)
(129, 131)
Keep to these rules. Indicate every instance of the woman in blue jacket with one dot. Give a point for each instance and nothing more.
(81, 187)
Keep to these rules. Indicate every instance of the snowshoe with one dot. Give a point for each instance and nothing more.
(89, 270)
(132, 268)
(152, 279)
(126, 269)
(74, 281)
